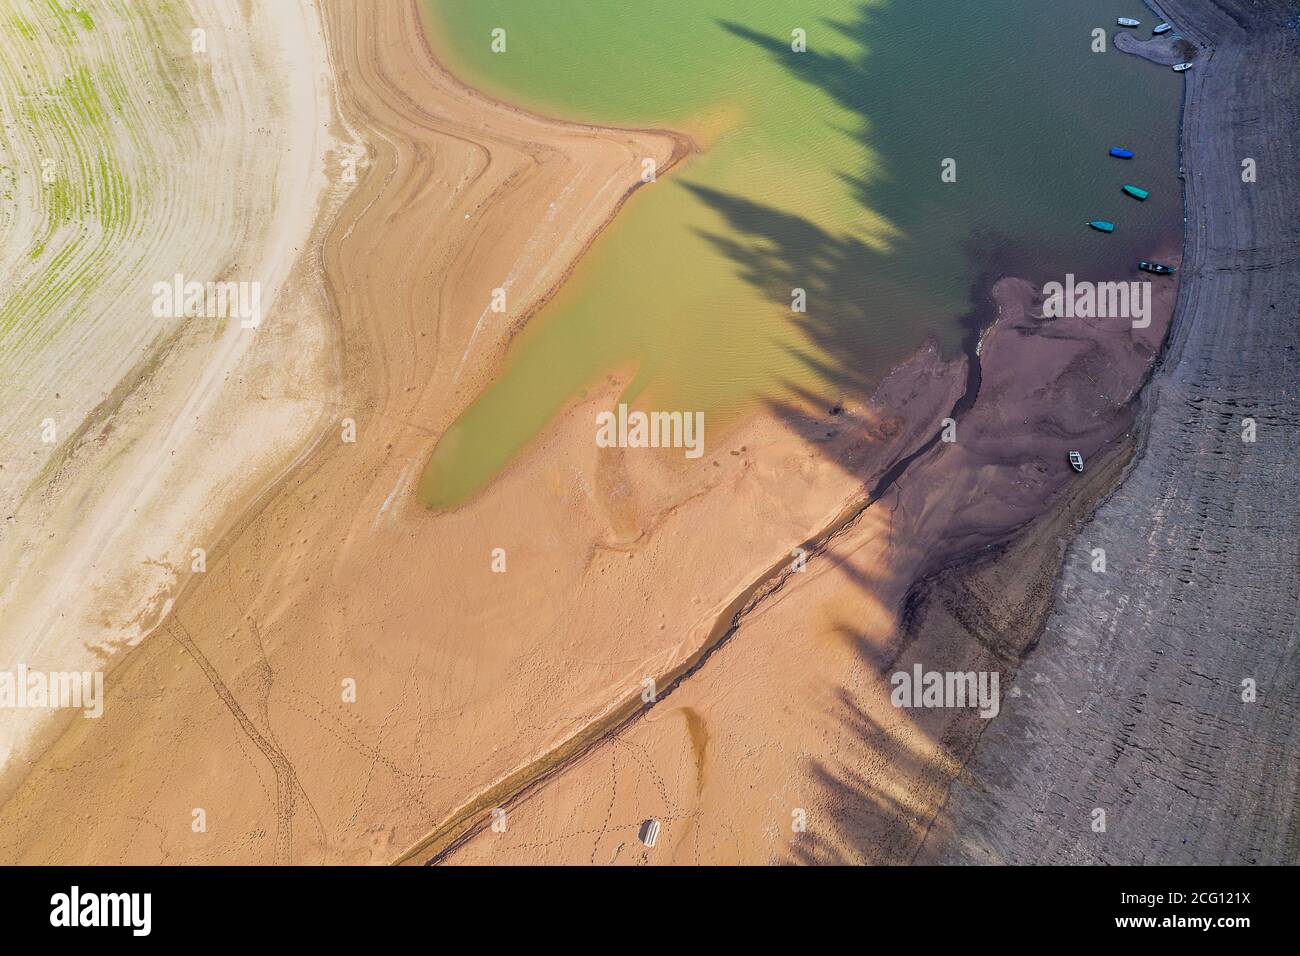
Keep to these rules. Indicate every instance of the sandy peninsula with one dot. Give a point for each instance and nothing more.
(348, 678)
(1166, 50)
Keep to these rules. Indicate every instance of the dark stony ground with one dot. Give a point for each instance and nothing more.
(1131, 700)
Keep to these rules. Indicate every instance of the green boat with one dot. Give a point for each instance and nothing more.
(1101, 225)
(1136, 192)
(1159, 268)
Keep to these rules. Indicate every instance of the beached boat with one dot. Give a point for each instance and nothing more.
(1076, 461)
(1162, 28)
(1158, 268)
(1121, 153)
(1181, 67)
(650, 830)
(1128, 22)
(1136, 191)
(1101, 225)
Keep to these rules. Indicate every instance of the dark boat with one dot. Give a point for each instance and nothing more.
(1158, 268)
(1076, 461)
(1121, 153)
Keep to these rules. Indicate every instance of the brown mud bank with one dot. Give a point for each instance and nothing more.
(788, 723)
(1163, 50)
(1165, 692)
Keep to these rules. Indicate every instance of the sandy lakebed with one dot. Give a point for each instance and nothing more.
(128, 439)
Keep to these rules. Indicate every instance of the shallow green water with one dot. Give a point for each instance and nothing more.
(823, 173)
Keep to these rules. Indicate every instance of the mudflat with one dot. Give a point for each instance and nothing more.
(1166, 50)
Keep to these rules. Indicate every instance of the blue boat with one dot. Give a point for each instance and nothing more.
(1121, 153)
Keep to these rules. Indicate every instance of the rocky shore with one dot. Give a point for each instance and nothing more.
(1164, 692)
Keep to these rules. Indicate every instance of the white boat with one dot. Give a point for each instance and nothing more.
(1128, 22)
(1076, 461)
(1162, 28)
(650, 832)
(1182, 67)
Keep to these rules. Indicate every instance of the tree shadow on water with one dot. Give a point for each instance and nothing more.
(778, 252)
(889, 279)
(844, 77)
(858, 288)
(897, 107)
(854, 293)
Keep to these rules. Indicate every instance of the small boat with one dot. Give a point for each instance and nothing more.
(1136, 192)
(1121, 153)
(1101, 225)
(1158, 268)
(1162, 28)
(650, 829)
(1182, 67)
(1128, 22)
(1076, 461)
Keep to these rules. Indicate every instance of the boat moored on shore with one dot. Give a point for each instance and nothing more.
(1158, 268)
(649, 832)
(1076, 461)
(1182, 67)
(1162, 28)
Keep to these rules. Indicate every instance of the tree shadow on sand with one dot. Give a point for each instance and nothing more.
(869, 823)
